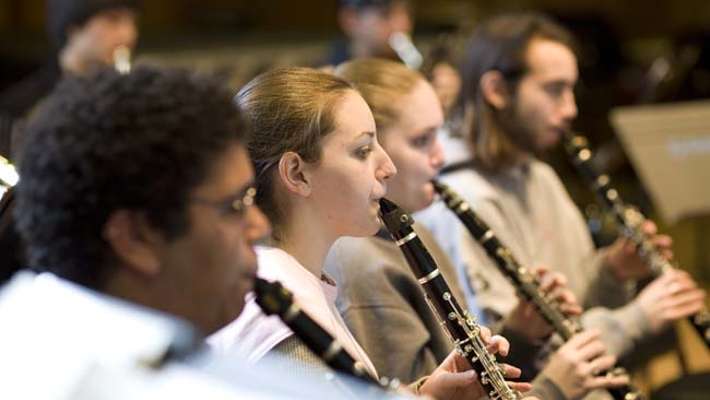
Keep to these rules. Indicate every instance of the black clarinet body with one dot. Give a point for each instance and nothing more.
(461, 328)
(627, 218)
(273, 298)
(522, 279)
(525, 283)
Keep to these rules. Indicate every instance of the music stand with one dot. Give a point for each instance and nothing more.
(669, 147)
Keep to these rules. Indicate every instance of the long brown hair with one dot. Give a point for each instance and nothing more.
(499, 44)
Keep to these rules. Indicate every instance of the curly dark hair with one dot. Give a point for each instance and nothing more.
(141, 141)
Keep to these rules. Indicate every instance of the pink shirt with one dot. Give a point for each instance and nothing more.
(254, 334)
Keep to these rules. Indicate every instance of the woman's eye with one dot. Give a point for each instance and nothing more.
(421, 141)
(363, 152)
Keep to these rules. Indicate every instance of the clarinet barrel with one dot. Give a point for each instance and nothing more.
(462, 329)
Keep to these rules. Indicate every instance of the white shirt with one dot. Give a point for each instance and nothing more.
(254, 334)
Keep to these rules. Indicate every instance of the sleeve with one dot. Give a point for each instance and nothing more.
(294, 350)
(389, 317)
(621, 328)
(395, 341)
(610, 307)
(604, 289)
(544, 388)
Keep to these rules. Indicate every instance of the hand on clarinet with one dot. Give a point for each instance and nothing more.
(527, 321)
(454, 379)
(670, 297)
(575, 367)
(624, 260)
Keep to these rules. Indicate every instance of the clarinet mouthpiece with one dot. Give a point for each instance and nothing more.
(393, 217)
(387, 206)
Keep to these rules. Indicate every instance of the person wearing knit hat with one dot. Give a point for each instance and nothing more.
(367, 26)
(85, 33)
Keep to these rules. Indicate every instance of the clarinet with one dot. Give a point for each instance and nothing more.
(461, 327)
(273, 298)
(523, 280)
(405, 50)
(628, 220)
(122, 59)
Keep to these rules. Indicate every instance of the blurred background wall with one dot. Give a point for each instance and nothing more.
(633, 52)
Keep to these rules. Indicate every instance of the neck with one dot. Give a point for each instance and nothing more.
(360, 50)
(502, 140)
(522, 157)
(307, 241)
(70, 62)
(157, 294)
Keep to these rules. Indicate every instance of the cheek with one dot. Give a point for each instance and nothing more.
(358, 191)
(352, 200)
(413, 175)
(418, 168)
(217, 249)
(532, 117)
(339, 197)
(227, 259)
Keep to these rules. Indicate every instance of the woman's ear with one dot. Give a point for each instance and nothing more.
(292, 172)
(494, 89)
(134, 241)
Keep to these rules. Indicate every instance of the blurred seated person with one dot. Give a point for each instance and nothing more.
(85, 35)
(441, 71)
(367, 26)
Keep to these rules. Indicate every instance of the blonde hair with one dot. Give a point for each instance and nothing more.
(381, 83)
(289, 109)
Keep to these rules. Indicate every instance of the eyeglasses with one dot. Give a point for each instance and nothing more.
(235, 205)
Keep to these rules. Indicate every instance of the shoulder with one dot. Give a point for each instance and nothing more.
(276, 264)
(354, 257)
(369, 272)
(544, 173)
(252, 334)
(546, 178)
(472, 184)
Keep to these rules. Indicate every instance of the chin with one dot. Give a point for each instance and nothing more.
(373, 226)
(429, 196)
(422, 200)
(376, 226)
(553, 140)
(367, 226)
